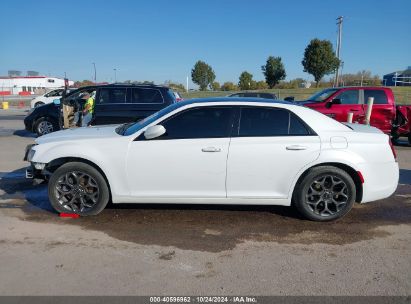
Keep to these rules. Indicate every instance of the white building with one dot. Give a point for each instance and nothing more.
(30, 84)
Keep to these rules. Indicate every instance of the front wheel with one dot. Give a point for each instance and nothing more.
(78, 188)
(326, 193)
(45, 126)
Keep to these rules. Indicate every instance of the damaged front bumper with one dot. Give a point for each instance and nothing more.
(33, 173)
(36, 170)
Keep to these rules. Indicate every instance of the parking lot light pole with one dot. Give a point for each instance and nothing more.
(115, 75)
(95, 73)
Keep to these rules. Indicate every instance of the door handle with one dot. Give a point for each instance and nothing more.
(354, 110)
(211, 149)
(296, 148)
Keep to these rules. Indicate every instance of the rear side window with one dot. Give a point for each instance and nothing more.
(349, 97)
(379, 96)
(267, 96)
(141, 95)
(202, 122)
(250, 95)
(112, 95)
(260, 121)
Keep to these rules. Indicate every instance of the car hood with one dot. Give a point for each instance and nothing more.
(85, 133)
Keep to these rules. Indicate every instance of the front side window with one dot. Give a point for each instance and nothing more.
(379, 96)
(259, 121)
(322, 95)
(349, 97)
(141, 95)
(54, 93)
(112, 95)
(202, 122)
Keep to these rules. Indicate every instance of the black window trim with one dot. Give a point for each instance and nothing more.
(310, 131)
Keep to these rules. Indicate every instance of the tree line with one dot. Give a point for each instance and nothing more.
(319, 60)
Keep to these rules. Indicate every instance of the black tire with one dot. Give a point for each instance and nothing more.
(409, 139)
(86, 194)
(39, 103)
(45, 125)
(332, 198)
(394, 139)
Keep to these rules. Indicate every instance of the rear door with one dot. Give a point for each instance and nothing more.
(383, 112)
(145, 101)
(111, 106)
(271, 146)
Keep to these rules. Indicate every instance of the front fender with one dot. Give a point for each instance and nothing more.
(108, 157)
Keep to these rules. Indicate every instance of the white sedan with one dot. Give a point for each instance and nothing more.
(219, 151)
(48, 97)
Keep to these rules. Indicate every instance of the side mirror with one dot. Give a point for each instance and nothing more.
(56, 101)
(289, 98)
(154, 132)
(335, 101)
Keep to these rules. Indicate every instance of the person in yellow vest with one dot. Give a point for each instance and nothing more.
(88, 109)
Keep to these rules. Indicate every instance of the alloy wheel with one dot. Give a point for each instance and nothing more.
(327, 195)
(45, 127)
(77, 191)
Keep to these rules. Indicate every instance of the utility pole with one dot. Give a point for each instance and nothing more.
(95, 73)
(187, 85)
(337, 51)
(115, 75)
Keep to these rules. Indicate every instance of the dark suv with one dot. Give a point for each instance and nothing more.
(114, 104)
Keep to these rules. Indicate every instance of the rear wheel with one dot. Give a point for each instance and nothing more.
(78, 188)
(37, 104)
(324, 194)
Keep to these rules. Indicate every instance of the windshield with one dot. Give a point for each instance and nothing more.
(129, 129)
(322, 95)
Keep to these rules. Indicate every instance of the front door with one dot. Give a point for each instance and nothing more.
(271, 147)
(189, 160)
(351, 101)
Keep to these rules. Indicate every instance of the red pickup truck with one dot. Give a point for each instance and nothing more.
(386, 115)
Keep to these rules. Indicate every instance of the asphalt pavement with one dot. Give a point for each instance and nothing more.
(195, 249)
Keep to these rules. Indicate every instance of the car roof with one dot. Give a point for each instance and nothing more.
(235, 99)
(113, 85)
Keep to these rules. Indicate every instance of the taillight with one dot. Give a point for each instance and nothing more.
(392, 149)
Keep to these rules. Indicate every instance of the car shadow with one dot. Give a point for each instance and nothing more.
(19, 192)
(24, 133)
(405, 176)
(402, 142)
